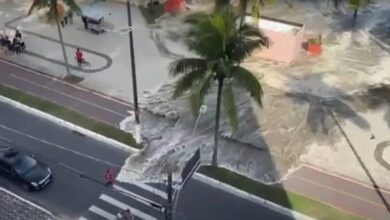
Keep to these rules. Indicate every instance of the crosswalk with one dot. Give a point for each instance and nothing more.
(143, 199)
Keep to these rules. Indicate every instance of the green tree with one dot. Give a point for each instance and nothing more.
(55, 15)
(222, 46)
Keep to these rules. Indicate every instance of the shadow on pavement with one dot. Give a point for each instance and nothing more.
(329, 111)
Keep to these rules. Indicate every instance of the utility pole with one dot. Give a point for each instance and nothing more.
(133, 74)
(168, 210)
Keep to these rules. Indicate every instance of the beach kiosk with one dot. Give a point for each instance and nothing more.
(286, 39)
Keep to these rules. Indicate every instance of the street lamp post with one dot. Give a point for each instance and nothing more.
(133, 74)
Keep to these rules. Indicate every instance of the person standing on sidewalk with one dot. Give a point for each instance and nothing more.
(70, 16)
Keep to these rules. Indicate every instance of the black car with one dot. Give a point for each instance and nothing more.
(25, 169)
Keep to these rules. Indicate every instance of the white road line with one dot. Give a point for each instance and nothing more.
(309, 166)
(102, 213)
(151, 189)
(63, 82)
(82, 218)
(123, 206)
(69, 96)
(133, 195)
(57, 146)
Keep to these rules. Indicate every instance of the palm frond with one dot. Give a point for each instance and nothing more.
(230, 106)
(241, 47)
(38, 4)
(246, 80)
(254, 32)
(187, 65)
(188, 81)
(73, 6)
(199, 92)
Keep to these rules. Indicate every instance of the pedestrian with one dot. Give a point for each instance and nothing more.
(109, 177)
(85, 21)
(125, 215)
(18, 34)
(79, 56)
(70, 16)
(66, 19)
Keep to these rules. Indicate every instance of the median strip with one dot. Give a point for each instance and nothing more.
(69, 116)
(277, 194)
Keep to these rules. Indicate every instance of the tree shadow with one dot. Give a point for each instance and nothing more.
(374, 98)
(325, 110)
(248, 155)
(327, 98)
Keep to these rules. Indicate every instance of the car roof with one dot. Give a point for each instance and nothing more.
(9, 155)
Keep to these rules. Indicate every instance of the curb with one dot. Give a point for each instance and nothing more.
(68, 125)
(382, 45)
(29, 202)
(251, 197)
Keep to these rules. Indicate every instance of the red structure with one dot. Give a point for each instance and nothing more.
(172, 6)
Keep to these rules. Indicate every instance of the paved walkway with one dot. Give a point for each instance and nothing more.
(14, 207)
(352, 196)
(92, 104)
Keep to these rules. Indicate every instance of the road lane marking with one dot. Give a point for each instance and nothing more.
(5, 139)
(151, 189)
(69, 96)
(339, 191)
(83, 218)
(102, 213)
(65, 83)
(58, 146)
(133, 195)
(309, 166)
(123, 206)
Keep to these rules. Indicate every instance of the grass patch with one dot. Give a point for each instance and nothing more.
(73, 79)
(69, 115)
(278, 195)
(152, 12)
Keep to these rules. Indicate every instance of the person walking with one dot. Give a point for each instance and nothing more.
(125, 215)
(79, 56)
(18, 34)
(85, 22)
(109, 177)
(70, 16)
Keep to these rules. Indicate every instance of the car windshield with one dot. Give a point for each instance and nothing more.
(24, 164)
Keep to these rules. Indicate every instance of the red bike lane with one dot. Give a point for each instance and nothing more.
(344, 193)
(78, 99)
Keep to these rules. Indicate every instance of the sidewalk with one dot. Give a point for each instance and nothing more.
(15, 207)
(108, 53)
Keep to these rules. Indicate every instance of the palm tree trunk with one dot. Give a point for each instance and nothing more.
(214, 161)
(63, 48)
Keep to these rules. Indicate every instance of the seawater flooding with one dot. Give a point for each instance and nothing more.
(169, 128)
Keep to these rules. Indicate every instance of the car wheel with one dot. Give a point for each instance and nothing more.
(26, 186)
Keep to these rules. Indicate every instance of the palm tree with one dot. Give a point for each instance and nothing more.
(54, 15)
(222, 46)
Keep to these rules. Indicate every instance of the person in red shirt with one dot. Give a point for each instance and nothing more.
(109, 177)
(79, 56)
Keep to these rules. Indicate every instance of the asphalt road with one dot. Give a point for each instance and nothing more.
(199, 200)
(67, 153)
